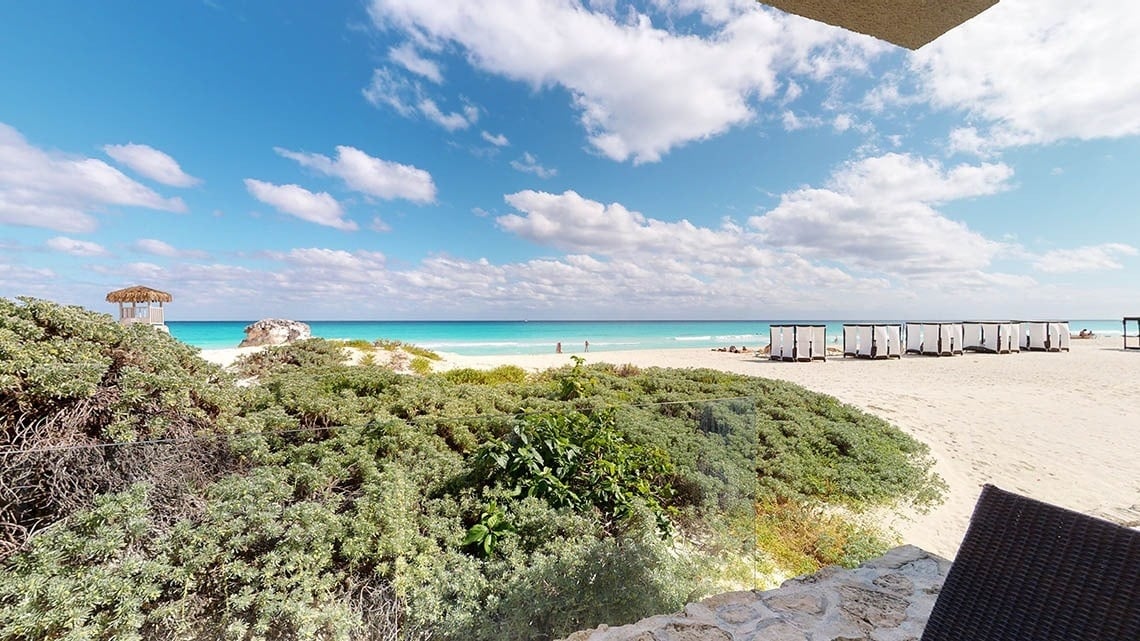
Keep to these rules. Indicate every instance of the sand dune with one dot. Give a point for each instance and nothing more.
(1060, 427)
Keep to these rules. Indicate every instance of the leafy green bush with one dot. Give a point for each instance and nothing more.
(420, 365)
(393, 345)
(330, 501)
(582, 462)
(357, 343)
(498, 376)
(72, 382)
(311, 352)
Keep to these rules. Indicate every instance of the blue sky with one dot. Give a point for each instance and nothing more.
(562, 159)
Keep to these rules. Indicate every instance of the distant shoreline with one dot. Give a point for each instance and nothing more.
(491, 338)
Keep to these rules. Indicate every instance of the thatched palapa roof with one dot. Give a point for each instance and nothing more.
(907, 23)
(139, 294)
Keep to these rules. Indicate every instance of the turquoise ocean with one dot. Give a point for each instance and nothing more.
(475, 338)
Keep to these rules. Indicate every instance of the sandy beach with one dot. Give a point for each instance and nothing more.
(1060, 427)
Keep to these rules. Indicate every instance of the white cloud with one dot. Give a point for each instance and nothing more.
(842, 122)
(793, 92)
(529, 164)
(449, 121)
(1039, 71)
(407, 57)
(967, 140)
(408, 98)
(157, 247)
(1090, 258)
(639, 89)
(294, 200)
(571, 222)
(378, 225)
(151, 163)
(792, 122)
(392, 90)
(499, 140)
(333, 259)
(60, 192)
(878, 214)
(30, 281)
(368, 175)
(75, 247)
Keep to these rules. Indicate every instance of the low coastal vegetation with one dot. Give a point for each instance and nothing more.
(145, 495)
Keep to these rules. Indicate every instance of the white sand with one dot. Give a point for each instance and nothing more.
(1060, 427)
(226, 357)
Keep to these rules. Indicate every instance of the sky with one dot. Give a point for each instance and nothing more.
(568, 159)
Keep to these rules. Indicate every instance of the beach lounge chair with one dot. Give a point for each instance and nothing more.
(1030, 571)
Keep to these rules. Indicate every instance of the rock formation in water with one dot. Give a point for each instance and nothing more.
(275, 331)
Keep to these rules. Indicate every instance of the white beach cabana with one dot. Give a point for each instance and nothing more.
(1131, 341)
(994, 337)
(872, 340)
(1045, 336)
(797, 342)
(934, 338)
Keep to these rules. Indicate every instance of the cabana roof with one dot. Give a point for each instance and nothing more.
(907, 23)
(139, 294)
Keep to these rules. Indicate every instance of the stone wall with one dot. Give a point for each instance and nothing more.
(885, 599)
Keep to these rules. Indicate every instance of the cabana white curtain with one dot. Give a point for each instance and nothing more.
(872, 340)
(913, 338)
(1059, 337)
(934, 339)
(998, 337)
(798, 342)
(1045, 336)
(850, 340)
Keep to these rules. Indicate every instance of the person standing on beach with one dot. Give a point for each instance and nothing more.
(587, 346)
(558, 348)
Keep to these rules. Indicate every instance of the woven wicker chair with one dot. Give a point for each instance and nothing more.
(1030, 571)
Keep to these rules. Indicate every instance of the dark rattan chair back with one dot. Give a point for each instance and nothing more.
(1030, 571)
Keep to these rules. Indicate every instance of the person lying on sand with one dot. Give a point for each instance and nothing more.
(1084, 333)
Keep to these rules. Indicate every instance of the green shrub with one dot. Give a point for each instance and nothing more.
(393, 345)
(582, 462)
(502, 374)
(73, 382)
(329, 501)
(356, 343)
(420, 365)
(311, 352)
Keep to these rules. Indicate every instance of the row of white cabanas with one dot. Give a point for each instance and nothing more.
(932, 338)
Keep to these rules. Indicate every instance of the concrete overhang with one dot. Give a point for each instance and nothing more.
(907, 23)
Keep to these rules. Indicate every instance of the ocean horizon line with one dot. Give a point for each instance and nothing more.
(475, 338)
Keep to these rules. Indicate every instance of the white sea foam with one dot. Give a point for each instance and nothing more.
(739, 337)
